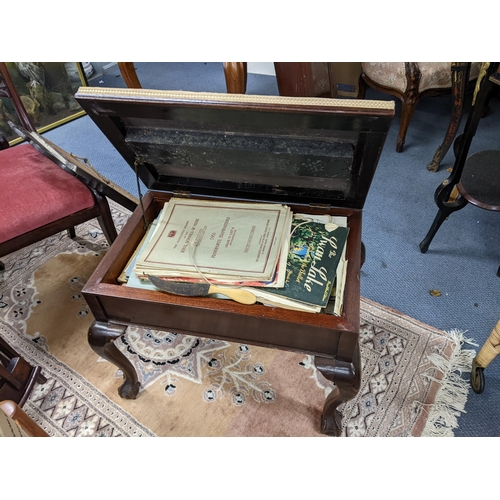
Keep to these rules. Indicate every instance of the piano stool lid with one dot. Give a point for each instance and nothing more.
(272, 148)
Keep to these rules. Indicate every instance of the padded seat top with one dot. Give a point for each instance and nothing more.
(435, 75)
(35, 191)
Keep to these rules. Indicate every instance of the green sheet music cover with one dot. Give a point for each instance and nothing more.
(315, 251)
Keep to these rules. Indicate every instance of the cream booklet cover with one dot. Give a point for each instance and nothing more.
(217, 239)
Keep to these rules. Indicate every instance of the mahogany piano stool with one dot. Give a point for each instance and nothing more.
(315, 155)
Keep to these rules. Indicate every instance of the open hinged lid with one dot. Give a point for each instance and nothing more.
(281, 149)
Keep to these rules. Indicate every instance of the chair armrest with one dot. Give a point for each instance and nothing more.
(28, 425)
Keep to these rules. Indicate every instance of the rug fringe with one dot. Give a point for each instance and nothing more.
(452, 396)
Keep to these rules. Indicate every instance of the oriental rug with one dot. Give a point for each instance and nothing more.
(412, 381)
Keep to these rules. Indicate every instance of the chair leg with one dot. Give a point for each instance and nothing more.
(235, 74)
(106, 219)
(409, 103)
(2, 266)
(362, 88)
(6, 350)
(129, 75)
(72, 233)
(17, 376)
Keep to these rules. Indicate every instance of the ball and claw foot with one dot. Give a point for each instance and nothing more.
(346, 375)
(129, 389)
(101, 339)
(331, 420)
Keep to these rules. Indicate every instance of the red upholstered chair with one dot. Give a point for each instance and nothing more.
(37, 197)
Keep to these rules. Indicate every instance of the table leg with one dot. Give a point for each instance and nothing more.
(447, 202)
(101, 336)
(346, 375)
(460, 78)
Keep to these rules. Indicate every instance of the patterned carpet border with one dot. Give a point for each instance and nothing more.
(441, 370)
(105, 417)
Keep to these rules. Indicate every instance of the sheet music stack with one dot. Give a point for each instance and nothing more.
(293, 261)
(223, 242)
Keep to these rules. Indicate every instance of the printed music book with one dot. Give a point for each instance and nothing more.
(217, 240)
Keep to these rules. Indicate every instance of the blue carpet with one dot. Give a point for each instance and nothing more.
(462, 260)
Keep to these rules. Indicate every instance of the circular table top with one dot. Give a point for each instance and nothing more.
(480, 180)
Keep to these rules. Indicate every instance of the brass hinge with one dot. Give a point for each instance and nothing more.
(181, 194)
